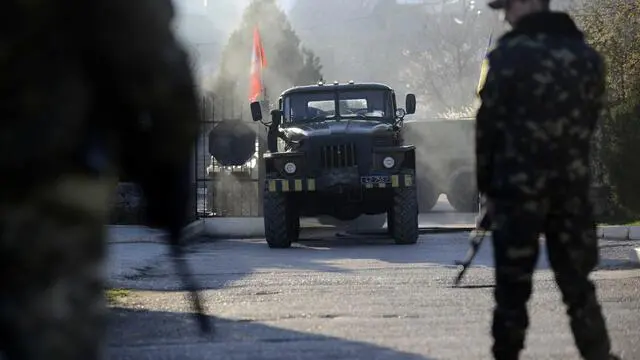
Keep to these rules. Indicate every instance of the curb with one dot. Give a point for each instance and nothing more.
(151, 235)
(635, 255)
(619, 232)
(129, 255)
(233, 227)
(144, 235)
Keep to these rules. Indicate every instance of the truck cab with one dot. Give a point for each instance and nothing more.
(336, 150)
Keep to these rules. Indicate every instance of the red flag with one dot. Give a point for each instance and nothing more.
(258, 62)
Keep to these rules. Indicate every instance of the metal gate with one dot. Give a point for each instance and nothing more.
(225, 191)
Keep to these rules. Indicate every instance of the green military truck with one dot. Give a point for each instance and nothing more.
(336, 150)
(445, 149)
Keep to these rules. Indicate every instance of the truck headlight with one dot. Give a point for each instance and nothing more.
(388, 162)
(290, 168)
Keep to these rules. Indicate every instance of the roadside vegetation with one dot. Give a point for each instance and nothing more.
(613, 28)
(114, 296)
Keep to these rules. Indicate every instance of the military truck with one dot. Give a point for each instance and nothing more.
(445, 149)
(336, 150)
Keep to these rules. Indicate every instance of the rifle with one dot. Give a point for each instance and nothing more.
(167, 205)
(475, 239)
(166, 187)
(187, 279)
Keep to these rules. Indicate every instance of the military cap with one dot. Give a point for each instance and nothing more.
(497, 4)
(501, 4)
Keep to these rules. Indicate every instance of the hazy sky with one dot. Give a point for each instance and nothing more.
(285, 4)
(195, 5)
(197, 31)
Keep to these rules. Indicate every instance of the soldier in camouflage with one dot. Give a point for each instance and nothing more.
(544, 91)
(76, 76)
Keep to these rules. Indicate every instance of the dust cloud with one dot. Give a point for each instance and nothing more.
(219, 37)
(432, 48)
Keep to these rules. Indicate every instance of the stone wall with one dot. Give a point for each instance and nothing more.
(128, 205)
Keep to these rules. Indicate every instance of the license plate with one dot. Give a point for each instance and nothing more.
(376, 179)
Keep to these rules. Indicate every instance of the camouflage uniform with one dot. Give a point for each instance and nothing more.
(540, 103)
(76, 76)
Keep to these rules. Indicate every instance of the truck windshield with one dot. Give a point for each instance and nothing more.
(365, 104)
(320, 105)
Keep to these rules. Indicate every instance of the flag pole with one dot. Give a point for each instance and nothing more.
(261, 130)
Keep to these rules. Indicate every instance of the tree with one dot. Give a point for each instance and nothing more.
(613, 28)
(433, 49)
(620, 155)
(443, 61)
(289, 63)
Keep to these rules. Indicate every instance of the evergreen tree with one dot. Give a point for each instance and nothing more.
(288, 62)
(613, 28)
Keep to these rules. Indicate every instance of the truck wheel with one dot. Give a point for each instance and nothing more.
(279, 221)
(295, 223)
(404, 216)
(427, 195)
(462, 194)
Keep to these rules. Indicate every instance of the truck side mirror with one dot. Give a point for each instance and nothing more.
(276, 116)
(410, 104)
(256, 111)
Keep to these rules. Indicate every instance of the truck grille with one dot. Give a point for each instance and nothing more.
(337, 156)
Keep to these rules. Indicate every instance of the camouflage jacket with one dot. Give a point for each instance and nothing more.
(77, 76)
(541, 101)
(96, 87)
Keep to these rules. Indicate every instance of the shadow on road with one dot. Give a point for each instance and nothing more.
(222, 263)
(138, 334)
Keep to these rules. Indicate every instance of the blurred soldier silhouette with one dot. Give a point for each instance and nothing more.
(542, 98)
(86, 88)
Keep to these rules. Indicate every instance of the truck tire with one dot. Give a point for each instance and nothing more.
(427, 195)
(296, 226)
(403, 216)
(463, 194)
(280, 222)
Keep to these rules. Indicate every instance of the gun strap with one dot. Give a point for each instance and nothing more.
(189, 283)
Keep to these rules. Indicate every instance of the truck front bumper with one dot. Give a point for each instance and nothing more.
(366, 182)
(387, 181)
(291, 185)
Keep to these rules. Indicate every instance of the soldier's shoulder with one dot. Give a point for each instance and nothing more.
(577, 54)
(513, 50)
(588, 52)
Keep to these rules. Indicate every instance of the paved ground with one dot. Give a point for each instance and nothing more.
(352, 298)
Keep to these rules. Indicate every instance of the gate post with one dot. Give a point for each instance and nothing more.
(262, 143)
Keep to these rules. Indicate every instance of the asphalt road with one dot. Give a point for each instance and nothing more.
(353, 297)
